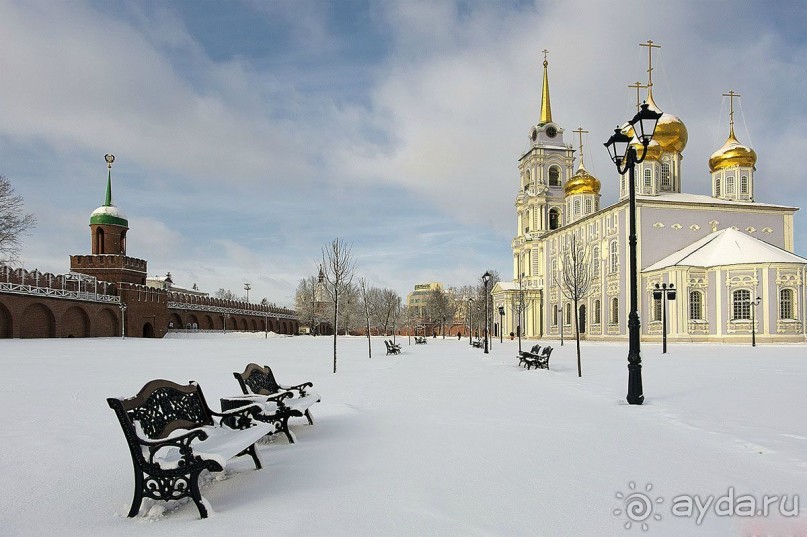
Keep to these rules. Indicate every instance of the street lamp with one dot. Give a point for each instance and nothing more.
(501, 324)
(470, 322)
(247, 287)
(122, 307)
(486, 280)
(753, 306)
(664, 293)
(623, 154)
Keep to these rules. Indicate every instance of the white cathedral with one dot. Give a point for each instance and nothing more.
(720, 252)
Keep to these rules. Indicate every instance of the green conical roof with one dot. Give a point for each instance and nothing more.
(108, 213)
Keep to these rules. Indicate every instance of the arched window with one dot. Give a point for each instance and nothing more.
(729, 184)
(741, 304)
(123, 242)
(614, 311)
(99, 241)
(657, 309)
(613, 257)
(554, 176)
(595, 261)
(597, 312)
(666, 178)
(744, 184)
(568, 315)
(577, 207)
(648, 179)
(588, 205)
(555, 315)
(695, 305)
(622, 186)
(554, 218)
(786, 304)
(717, 188)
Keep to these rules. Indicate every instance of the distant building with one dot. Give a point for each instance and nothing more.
(107, 293)
(417, 300)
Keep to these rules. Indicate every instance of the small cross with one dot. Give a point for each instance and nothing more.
(650, 46)
(638, 85)
(731, 95)
(580, 133)
(545, 53)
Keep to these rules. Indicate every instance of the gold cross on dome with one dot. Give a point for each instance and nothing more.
(650, 46)
(545, 53)
(638, 85)
(580, 133)
(731, 95)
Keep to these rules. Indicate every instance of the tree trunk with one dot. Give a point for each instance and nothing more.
(335, 326)
(577, 334)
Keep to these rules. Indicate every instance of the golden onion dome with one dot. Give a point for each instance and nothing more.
(732, 154)
(671, 133)
(582, 183)
(653, 149)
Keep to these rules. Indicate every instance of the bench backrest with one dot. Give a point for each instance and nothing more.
(258, 380)
(535, 349)
(547, 351)
(161, 407)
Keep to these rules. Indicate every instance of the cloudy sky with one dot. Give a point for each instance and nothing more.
(249, 134)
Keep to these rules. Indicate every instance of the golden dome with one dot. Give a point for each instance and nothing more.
(582, 183)
(653, 149)
(732, 154)
(671, 133)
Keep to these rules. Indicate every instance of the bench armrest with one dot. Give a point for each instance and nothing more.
(238, 418)
(181, 442)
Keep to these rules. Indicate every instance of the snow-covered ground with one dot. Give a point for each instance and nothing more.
(441, 440)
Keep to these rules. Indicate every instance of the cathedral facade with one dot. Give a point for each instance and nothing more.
(728, 256)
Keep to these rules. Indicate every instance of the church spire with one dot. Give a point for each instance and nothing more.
(109, 160)
(546, 109)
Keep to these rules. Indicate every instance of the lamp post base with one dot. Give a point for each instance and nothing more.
(635, 391)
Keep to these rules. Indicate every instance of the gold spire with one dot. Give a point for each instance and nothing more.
(546, 109)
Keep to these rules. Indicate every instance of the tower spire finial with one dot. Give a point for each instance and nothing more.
(546, 109)
(731, 95)
(109, 158)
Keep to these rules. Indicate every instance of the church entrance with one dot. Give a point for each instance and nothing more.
(148, 330)
(582, 319)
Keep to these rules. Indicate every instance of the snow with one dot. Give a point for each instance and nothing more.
(440, 440)
(727, 247)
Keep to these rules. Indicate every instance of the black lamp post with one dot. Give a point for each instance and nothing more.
(486, 280)
(753, 306)
(624, 156)
(501, 324)
(664, 293)
(470, 323)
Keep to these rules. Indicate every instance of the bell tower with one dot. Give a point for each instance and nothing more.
(108, 227)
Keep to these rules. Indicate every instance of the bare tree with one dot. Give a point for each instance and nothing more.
(389, 305)
(365, 307)
(309, 302)
(576, 284)
(13, 222)
(338, 268)
(439, 308)
(349, 310)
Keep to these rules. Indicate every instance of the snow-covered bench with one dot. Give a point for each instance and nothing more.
(523, 355)
(392, 348)
(259, 380)
(173, 436)
(420, 340)
(540, 361)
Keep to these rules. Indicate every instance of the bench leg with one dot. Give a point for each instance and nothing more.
(197, 496)
(138, 494)
(254, 454)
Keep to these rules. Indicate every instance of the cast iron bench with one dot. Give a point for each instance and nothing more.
(523, 355)
(477, 343)
(173, 436)
(540, 361)
(420, 340)
(260, 381)
(392, 348)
